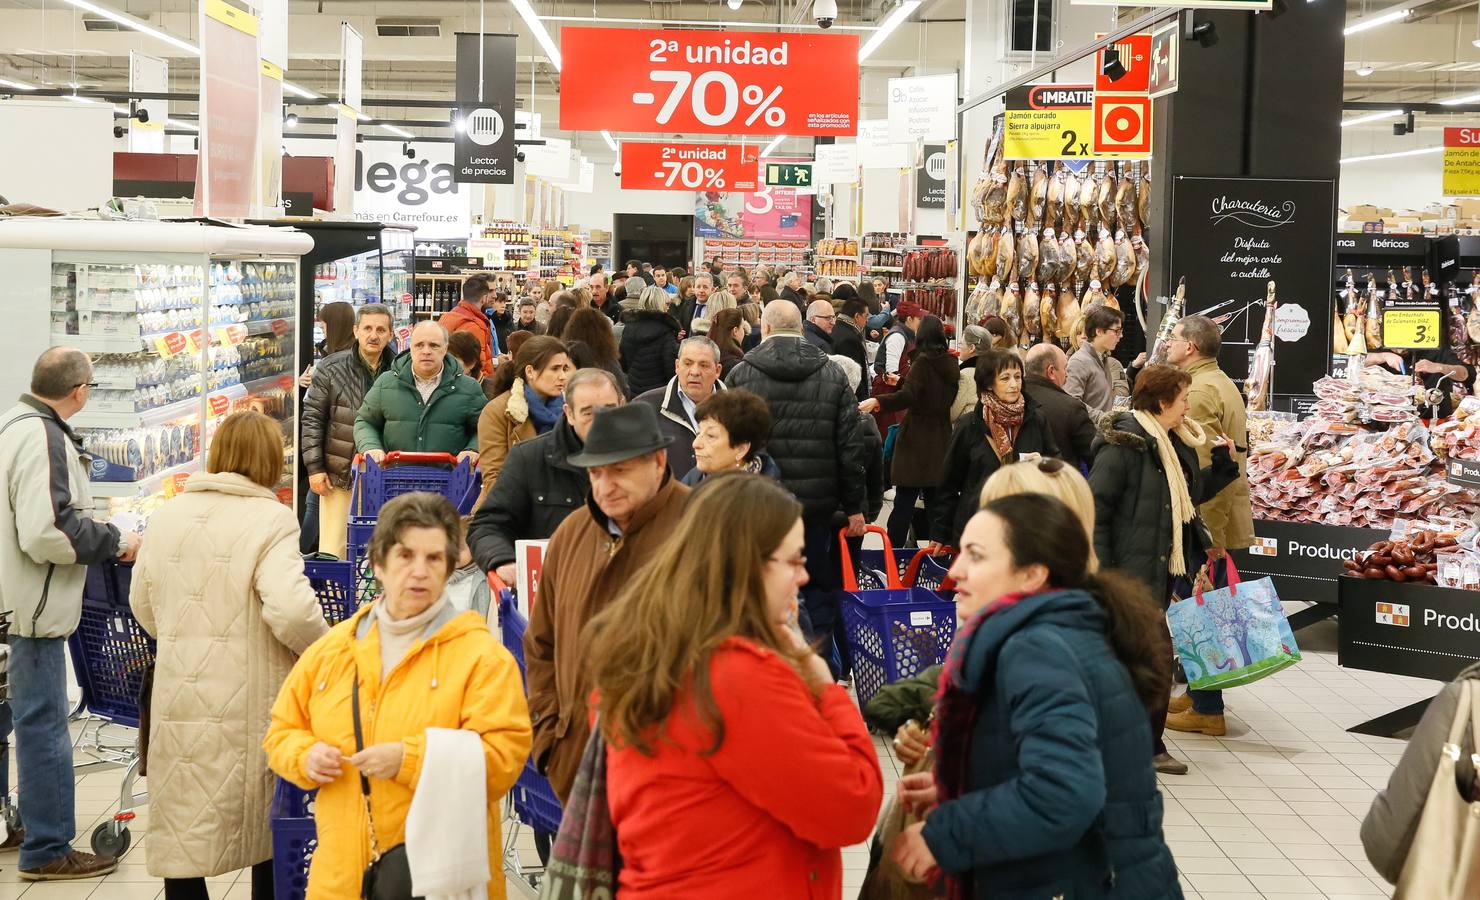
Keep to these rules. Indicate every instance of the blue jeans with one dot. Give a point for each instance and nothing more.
(38, 704)
(1210, 703)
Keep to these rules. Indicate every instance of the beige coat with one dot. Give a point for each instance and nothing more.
(219, 583)
(1215, 403)
(503, 423)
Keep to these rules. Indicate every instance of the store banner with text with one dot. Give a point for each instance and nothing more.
(689, 167)
(1058, 121)
(768, 213)
(485, 100)
(708, 82)
(1461, 162)
(876, 150)
(930, 184)
(230, 67)
(1230, 237)
(835, 164)
(420, 192)
(922, 108)
(551, 160)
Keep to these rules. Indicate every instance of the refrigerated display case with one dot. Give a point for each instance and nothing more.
(185, 324)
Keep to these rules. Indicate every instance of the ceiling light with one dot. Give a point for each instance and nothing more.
(176, 123)
(129, 21)
(1364, 70)
(290, 120)
(1355, 159)
(610, 141)
(901, 12)
(1461, 99)
(396, 130)
(1371, 117)
(1475, 42)
(303, 92)
(458, 125)
(734, 4)
(1392, 15)
(772, 146)
(527, 13)
(17, 85)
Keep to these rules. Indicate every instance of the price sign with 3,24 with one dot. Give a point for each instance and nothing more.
(1416, 329)
(710, 82)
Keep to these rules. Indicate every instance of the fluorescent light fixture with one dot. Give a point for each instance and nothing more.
(129, 21)
(17, 85)
(303, 92)
(459, 124)
(176, 123)
(610, 142)
(1392, 15)
(1355, 159)
(901, 12)
(116, 107)
(734, 4)
(772, 146)
(1371, 117)
(527, 13)
(1364, 70)
(1462, 98)
(397, 131)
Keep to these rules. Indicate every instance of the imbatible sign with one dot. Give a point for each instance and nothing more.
(708, 82)
(1461, 162)
(689, 167)
(1055, 121)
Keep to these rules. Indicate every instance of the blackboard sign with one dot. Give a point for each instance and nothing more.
(930, 183)
(1230, 237)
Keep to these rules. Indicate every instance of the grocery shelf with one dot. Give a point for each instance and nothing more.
(157, 416)
(882, 250)
(852, 256)
(144, 487)
(884, 268)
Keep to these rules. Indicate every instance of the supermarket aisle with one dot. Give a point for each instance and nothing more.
(1270, 811)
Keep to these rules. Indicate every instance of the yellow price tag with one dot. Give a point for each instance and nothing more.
(1416, 329)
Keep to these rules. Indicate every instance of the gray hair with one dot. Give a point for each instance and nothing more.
(976, 336)
(782, 317)
(374, 309)
(700, 341)
(819, 308)
(59, 371)
(706, 276)
(653, 298)
(1203, 333)
(851, 370)
(824, 285)
(588, 375)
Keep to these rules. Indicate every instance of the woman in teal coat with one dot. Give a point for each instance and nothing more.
(1042, 785)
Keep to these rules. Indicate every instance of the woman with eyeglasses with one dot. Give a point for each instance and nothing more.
(1147, 485)
(1005, 426)
(736, 767)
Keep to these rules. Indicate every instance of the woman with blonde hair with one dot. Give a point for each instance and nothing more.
(719, 300)
(219, 583)
(733, 759)
(649, 343)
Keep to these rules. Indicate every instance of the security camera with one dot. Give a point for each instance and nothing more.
(408, 151)
(141, 114)
(825, 12)
(518, 156)
(118, 131)
(617, 168)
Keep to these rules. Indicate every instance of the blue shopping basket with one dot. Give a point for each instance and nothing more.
(110, 649)
(895, 632)
(333, 581)
(535, 803)
(294, 839)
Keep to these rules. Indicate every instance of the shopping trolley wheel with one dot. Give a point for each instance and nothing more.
(111, 839)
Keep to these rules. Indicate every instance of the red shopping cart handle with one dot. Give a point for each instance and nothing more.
(850, 574)
(912, 571)
(410, 458)
(497, 583)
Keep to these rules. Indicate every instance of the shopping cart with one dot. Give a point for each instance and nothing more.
(294, 839)
(927, 570)
(9, 811)
(372, 484)
(111, 655)
(895, 632)
(532, 801)
(333, 581)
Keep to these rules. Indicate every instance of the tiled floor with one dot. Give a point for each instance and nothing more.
(1270, 811)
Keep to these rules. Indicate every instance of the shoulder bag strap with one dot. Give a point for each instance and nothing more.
(7, 425)
(354, 700)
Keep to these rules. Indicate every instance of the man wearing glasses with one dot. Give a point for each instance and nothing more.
(820, 320)
(48, 538)
(1095, 378)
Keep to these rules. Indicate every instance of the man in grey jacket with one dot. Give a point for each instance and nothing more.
(1095, 378)
(48, 538)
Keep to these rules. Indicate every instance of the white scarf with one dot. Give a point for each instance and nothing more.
(1183, 509)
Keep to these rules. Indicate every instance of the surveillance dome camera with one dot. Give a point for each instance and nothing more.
(519, 156)
(408, 151)
(616, 168)
(118, 131)
(825, 12)
(141, 114)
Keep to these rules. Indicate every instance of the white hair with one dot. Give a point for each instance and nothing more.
(851, 370)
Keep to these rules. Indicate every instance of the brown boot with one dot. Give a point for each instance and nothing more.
(1198, 723)
(71, 867)
(13, 840)
(1179, 703)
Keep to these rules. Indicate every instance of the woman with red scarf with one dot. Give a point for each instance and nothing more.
(1005, 425)
(1042, 786)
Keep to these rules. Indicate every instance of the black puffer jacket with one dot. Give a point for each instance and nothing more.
(814, 438)
(649, 349)
(1133, 505)
(536, 489)
(340, 382)
(971, 460)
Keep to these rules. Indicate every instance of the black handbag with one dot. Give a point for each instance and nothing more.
(388, 877)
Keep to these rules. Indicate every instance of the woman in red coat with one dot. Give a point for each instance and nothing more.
(736, 768)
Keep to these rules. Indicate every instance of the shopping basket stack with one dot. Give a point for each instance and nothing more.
(333, 581)
(535, 803)
(111, 653)
(294, 839)
(895, 632)
(372, 484)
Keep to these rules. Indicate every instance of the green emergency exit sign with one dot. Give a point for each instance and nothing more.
(789, 174)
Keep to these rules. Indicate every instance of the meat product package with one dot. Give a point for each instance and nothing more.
(1005, 253)
(1048, 257)
(1017, 194)
(1071, 203)
(1089, 189)
(1125, 260)
(1067, 313)
(1048, 313)
(1052, 211)
(1032, 321)
(1012, 312)
(1027, 256)
(980, 256)
(1037, 198)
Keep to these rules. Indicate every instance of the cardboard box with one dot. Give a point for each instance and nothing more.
(1363, 213)
(1469, 208)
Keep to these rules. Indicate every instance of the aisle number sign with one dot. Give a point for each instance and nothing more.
(789, 174)
(689, 167)
(1415, 329)
(1068, 121)
(1461, 162)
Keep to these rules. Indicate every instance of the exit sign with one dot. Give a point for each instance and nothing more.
(789, 174)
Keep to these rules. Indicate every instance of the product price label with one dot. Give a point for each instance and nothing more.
(230, 335)
(1056, 121)
(709, 82)
(217, 405)
(279, 327)
(689, 167)
(195, 340)
(167, 345)
(1411, 328)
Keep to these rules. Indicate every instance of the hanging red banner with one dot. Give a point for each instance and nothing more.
(709, 82)
(689, 167)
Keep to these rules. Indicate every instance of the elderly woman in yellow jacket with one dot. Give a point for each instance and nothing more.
(420, 665)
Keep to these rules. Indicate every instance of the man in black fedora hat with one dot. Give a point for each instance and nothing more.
(634, 506)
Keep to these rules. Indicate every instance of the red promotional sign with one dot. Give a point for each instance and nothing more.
(1135, 56)
(1122, 123)
(1462, 137)
(709, 82)
(689, 167)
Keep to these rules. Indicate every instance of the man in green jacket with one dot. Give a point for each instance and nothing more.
(424, 404)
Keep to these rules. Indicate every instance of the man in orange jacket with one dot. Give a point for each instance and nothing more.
(468, 315)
